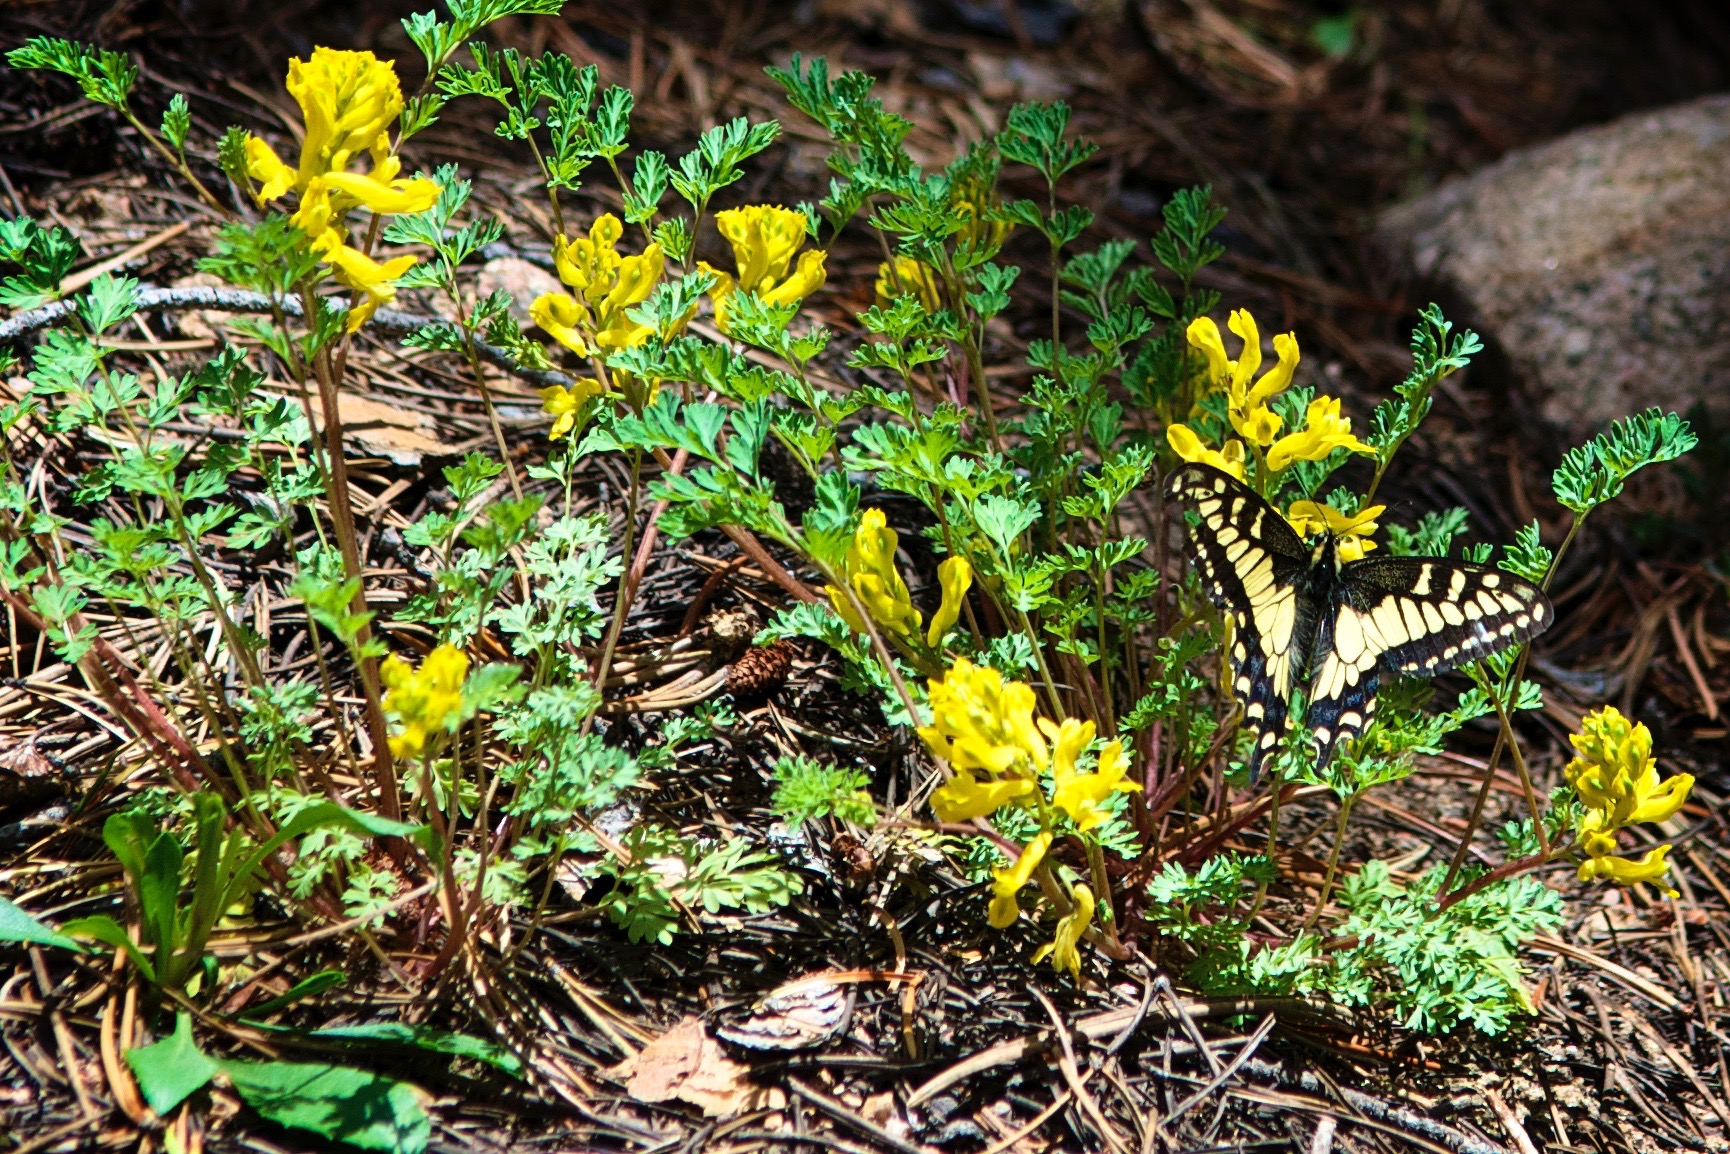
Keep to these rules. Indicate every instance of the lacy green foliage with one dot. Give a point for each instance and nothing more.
(1434, 536)
(1435, 971)
(103, 76)
(43, 255)
(1439, 970)
(670, 878)
(1193, 907)
(806, 790)
(1596, 471)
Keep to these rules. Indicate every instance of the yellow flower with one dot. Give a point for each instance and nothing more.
(562, 405)
(376, 281)
(765, 239)
(1260, 424)
(264, 166)
(424, 699)
(1238, 377)
(595, 320)
(1082, 795)
(1190, 447)
(349, 101)
(908, 276)
(978, 721)
(869, 568)
(1006, 883)
(380, 196)
(1068, 742)
(955, 575)
(963, 797)
(1610, 743)
(1616, 774)
(558, 316)
(1062, 948)
(1616, 777)
(1650, 868)
(1353, 533)
(1324, 431)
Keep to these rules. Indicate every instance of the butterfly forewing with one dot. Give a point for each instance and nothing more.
(1252, 564)
(1433, 615)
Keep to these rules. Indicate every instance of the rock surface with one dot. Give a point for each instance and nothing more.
(1598, 262)
(523, 279)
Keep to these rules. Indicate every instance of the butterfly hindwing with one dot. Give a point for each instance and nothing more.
(1414, 616)
(1252, 563)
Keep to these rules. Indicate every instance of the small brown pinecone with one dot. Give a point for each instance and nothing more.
(858, 860)
(760, 670)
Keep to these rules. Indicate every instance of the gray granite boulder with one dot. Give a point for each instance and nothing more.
(1598, 262)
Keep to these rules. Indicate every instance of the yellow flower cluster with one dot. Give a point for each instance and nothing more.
(592, 322)
(981, 722)
(869, 569)
(1616, 777)
(985, 728)
(908, 276)
(765, 239)
(1351, 533)
(1248, 404)
(349, 101)
(973, 201)
(424, 699)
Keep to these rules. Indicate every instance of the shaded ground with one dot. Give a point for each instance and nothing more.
(1626, 1051)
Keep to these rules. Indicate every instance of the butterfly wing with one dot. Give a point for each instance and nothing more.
(1253, 566)
(1417, 616)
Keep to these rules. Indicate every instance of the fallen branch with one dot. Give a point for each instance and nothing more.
(244, 301)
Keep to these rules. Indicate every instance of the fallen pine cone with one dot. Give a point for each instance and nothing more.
(761, 670)
(850, 850)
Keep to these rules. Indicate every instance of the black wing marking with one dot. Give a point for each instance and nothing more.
(1252, 563)
(1417, 616)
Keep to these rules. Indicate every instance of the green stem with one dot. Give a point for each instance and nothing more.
(1346, 804)
(178, 160)
(1459, 859)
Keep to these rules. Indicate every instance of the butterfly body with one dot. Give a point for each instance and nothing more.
(1302, 617)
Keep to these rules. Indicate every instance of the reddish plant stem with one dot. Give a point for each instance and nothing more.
(1211, 843)
(1501, 873)
(343, 524)
(126, 698)
(753, 548)
(707, 594)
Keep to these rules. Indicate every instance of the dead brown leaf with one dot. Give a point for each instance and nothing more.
(401, 435)
(687, 1064)
(27, 776)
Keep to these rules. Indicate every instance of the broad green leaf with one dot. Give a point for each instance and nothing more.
(18, 926)
(109, 932)
(425, 1038)
(354, 1106)
(309, 986)
(172, 1070)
